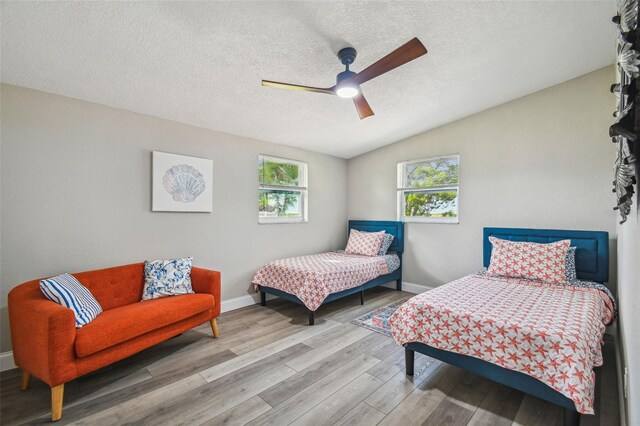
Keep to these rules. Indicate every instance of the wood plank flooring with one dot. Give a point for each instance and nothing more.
(270, 368)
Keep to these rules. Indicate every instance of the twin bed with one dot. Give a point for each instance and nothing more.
(321, 278)
(540, 338)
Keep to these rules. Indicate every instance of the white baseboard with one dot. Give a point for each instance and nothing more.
(6, 361)
(242, 302)
(237, 303)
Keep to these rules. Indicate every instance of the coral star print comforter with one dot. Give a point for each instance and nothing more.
(550, 332)
(312, 278)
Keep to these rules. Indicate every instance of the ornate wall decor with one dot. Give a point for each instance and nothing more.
(624, 131)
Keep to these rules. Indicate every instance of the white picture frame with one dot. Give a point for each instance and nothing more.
(180, 183)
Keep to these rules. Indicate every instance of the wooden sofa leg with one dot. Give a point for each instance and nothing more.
(26, 378)
(57, 394)
(214, 327)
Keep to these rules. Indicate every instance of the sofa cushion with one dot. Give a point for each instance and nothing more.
(116, 286)
(126, 322)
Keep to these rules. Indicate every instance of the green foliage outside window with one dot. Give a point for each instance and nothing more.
(273, 173)
(431, 175)
(280, 203)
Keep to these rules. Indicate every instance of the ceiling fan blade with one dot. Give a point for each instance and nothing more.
(405, 53)
(364, 110)
(297, 87)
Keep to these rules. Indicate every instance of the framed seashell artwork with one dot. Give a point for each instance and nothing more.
(181, 183)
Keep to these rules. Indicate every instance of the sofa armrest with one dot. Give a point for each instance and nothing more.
(42, 334)
(207, 281)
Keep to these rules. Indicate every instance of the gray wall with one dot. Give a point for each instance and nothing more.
(76, 188)
(629, 301)
(542, 161)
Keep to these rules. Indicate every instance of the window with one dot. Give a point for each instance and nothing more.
(282, 190)
(428, 190)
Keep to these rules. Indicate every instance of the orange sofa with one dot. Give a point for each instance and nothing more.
(47, 345)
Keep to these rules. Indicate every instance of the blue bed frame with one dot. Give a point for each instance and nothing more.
(592, 264)
(390, 227)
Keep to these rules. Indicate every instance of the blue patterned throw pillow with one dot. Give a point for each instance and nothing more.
(570, 264)
(67, 291)
(386, 243)
(164, 278)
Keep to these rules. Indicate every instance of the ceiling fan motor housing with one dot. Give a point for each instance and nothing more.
(347, 55)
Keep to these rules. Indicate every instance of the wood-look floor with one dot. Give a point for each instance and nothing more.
(270, 367)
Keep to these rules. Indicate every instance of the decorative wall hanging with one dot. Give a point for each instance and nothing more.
(624, 131)
(181, 183)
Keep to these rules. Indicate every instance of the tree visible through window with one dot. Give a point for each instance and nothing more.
(428, 189)
(282, 190)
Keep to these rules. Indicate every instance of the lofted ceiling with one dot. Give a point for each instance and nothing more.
(201, 62)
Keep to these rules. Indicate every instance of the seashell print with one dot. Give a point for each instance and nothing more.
(184, 182)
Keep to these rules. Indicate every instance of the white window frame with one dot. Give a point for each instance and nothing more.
(439, 188)
(303, 189)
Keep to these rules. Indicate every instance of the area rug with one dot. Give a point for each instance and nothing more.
(378, 320)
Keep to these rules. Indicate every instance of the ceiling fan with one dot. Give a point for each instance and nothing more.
(348, 82)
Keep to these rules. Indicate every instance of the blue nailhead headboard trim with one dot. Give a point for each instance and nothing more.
(390, 227)
(592, 247)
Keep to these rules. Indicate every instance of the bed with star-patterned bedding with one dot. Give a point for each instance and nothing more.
(541, 338)
(319, 278)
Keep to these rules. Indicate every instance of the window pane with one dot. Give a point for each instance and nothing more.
(431, 204)
(279, 203)
(442, 171)
(278, 173)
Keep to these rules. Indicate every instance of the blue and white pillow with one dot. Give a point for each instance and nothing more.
(164, 278)
(570, 264)
(386, 243)
(67, 291)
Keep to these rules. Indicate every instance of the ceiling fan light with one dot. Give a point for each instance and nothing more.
(347, 91)
(345, 88)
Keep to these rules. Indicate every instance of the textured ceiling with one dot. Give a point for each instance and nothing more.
(201, 62)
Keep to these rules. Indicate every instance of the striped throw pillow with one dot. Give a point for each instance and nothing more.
(67, 291)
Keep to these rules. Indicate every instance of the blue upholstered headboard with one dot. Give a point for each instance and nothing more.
(390, 227)
(592, 247)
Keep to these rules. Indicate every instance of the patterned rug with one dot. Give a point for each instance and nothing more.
(378, 320)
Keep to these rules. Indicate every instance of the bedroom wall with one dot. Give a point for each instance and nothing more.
(76, 195)
(541, 161)
(629, 300)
